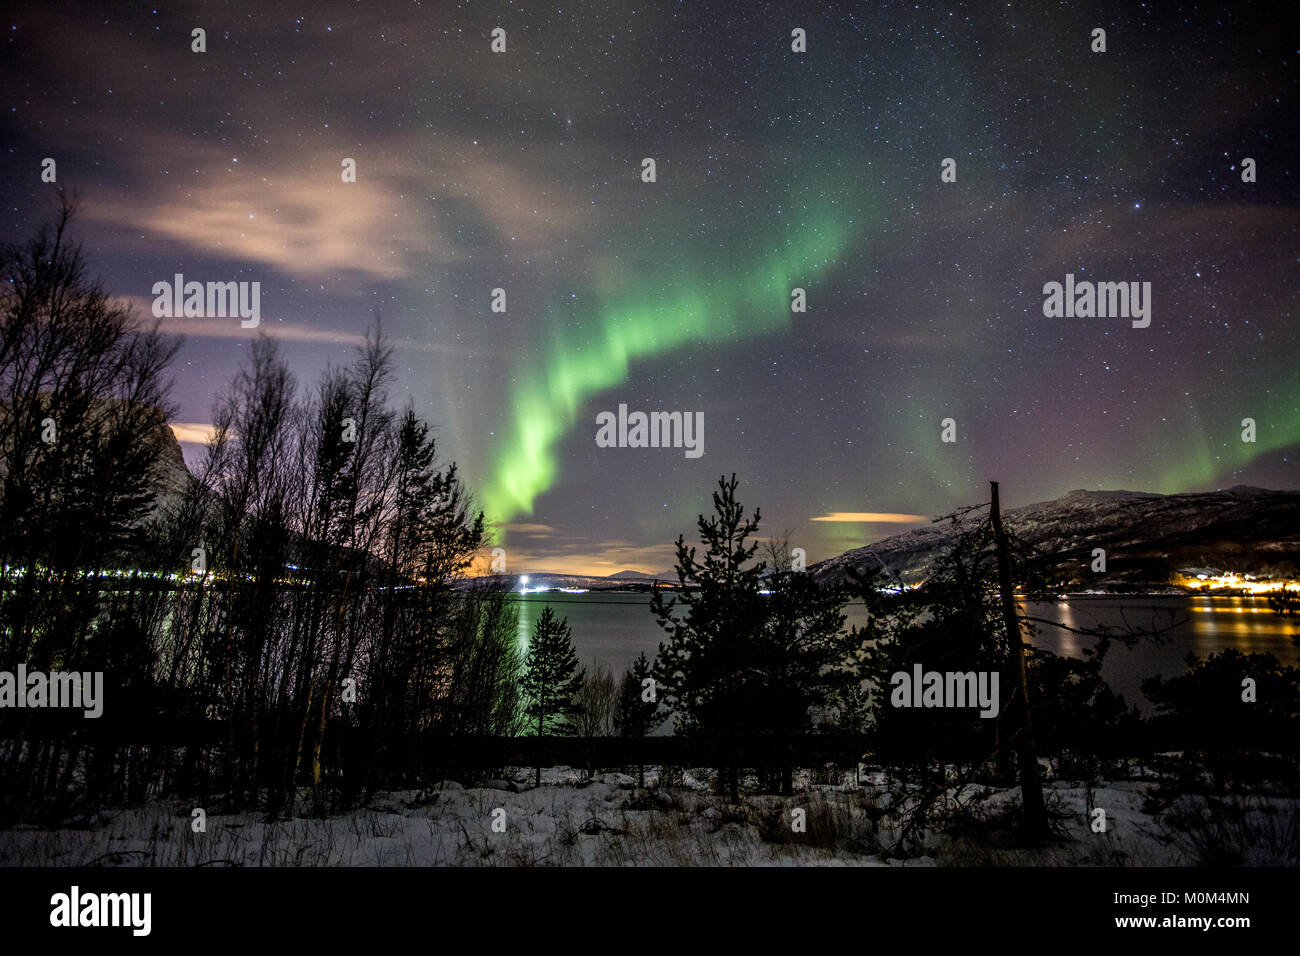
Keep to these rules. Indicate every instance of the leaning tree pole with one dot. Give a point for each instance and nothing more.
(1031, 788)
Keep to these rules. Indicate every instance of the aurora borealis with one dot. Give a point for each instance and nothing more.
(696, 308)
(776, 170)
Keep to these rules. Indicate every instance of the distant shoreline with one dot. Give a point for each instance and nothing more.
(1048, 599)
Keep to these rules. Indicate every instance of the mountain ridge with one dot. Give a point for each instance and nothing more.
(1147, 536)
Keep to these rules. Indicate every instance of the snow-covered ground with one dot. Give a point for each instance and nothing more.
(607, 821)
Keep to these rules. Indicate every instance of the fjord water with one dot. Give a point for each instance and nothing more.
(616, 627)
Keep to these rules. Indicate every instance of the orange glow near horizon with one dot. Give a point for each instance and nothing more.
(1236, 582)
(585, 565)
(195, 433)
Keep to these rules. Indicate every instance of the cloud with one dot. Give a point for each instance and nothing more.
(429, 193)
(288, 210)
(286, 331)
(538, 530)
(290, 213)
(195, 433)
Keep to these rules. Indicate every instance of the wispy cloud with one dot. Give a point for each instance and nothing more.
(292, 213)
(196, 433)
(286, 331)
(287, 209)
(529, 529)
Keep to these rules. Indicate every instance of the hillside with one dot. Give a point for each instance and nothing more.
(1147, 537)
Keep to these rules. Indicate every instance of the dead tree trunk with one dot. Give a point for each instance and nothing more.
(1031, 788)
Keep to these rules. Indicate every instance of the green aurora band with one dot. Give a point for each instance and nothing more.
(702, 303)
(1209, 461)
(695, 299)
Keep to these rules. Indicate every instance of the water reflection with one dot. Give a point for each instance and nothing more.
(616, 627)
(1209, 624)
(1068, 642)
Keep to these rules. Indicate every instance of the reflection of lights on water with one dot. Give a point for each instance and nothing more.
(1236, 610)
(1070, 645)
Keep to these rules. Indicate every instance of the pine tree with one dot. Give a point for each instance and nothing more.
(638, 706)
(757, 654)
(803, 659)
(705, 669)
(551, 677)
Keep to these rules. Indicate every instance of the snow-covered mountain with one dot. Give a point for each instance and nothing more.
(172, 478)
(1146, 536)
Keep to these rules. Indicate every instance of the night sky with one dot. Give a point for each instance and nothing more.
(775, 169)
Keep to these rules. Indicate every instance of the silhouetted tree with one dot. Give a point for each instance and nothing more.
(803, 655)
(83, 411)
(1226, 709)
(551, 678)
(637, 713)
(706, 669)
(596, 702)
(1285, 601)
(596, 705)
(314, 562)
